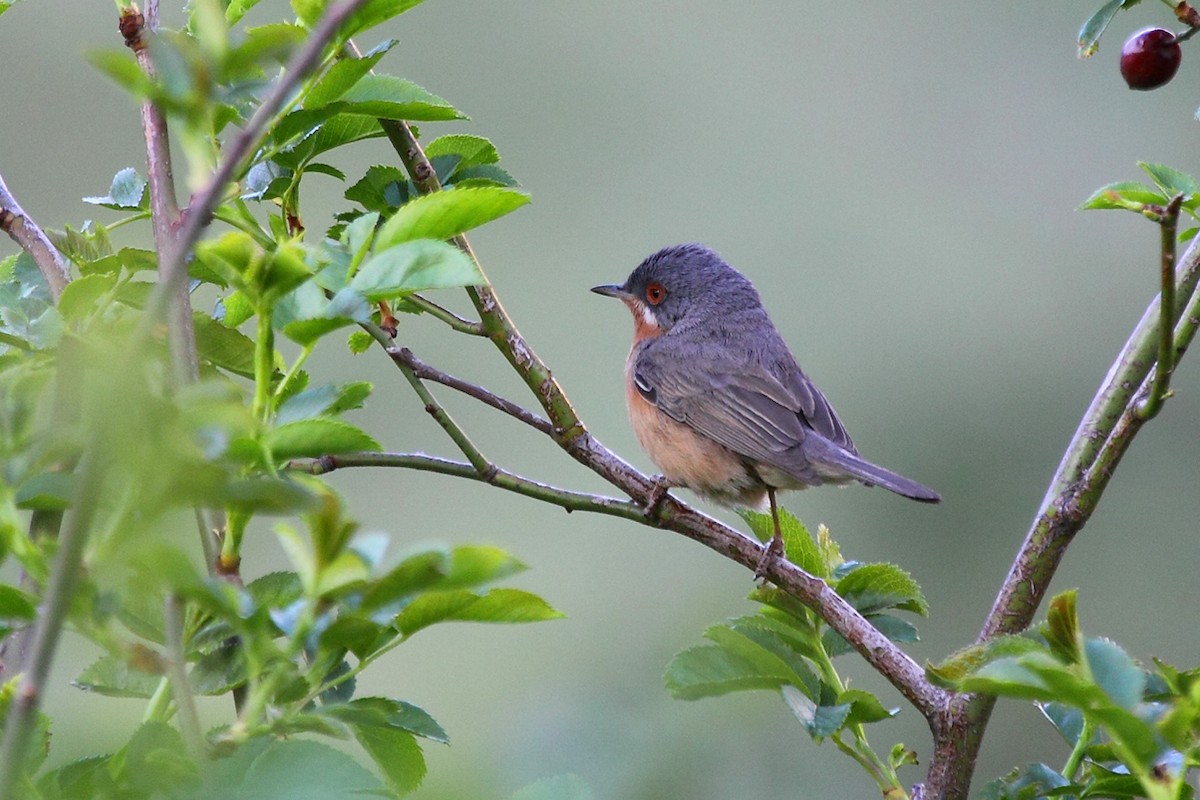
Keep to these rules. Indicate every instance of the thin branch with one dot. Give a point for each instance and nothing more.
(904, 673)
(185, 700)
(424, 371)
(447, 316)
(33, 240)
(1168, 223)
(199, 212)
(21, 721)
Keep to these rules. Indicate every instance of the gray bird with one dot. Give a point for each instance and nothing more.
(717, 400)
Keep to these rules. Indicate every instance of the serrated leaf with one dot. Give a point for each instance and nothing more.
(443, 215)
(397, 755)
(359, 342)
(711, 671)
(343, 75)
(222, 346)
(128, 190)
(496, 605)
(1062, 627)
(473, 150)
(1115, 672)
(115, 678)
(327, 400)
(218, 671)
(383, 712)
(1170, 180)
(898, 630)
(412, 267)
(767, 650)
(81, 295)
(1068, 721)
(381, 189)
(820, 721)
(293, 768)
(1125, 195)
(799, 547)
(415, 573)
(864, 707)
(878, 587)
(317, 437)
(389, 97)
(963, 662)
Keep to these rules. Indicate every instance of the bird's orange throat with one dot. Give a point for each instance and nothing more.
(645, 326)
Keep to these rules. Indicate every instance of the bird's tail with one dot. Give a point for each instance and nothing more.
(867, 472)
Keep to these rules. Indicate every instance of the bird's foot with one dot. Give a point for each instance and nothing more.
(772, 551)
(658, 493)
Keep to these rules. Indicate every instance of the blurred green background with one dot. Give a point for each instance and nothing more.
(902, 189)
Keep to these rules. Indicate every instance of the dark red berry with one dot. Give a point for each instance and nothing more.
(1150, 58)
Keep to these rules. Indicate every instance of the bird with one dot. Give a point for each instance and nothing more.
(716, 398)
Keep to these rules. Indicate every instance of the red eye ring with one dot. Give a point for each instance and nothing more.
(655, 293)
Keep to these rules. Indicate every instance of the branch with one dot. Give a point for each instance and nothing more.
(199, 213)
(904, 673)
(21, 722)
(447, 316)
(1168, 223)
(33, 240)
(1104, 434)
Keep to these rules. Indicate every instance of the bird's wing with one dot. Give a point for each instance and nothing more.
(742, 406)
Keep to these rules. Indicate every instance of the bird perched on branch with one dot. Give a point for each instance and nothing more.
(717, 400)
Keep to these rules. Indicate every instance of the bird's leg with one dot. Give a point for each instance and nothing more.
(773, 549)
(656, 495)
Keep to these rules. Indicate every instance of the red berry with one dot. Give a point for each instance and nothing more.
(1150, 58)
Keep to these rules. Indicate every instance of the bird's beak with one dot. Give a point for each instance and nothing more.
(611, 290)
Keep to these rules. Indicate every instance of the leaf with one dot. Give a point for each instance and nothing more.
(799, 546)
(1066, 720)
(359, 342)
(381, 189)
(115, 678)
(472, 150)
(154, 763)
(819, 720)
(711, 671)
(46, 491)
(328, 400)
(128, 191)
(898, 630)
(222, 346)
(1126, 195)
(1170, 180)
(443, 215)
(961, 663)
(389, 97)
(397, 755)
(296, 769)
(415, 573)
(388, 713)
(219, 671)
(776, 652)
(343, 75)
(877, 587)
(1093, 28)
(497, 605)
(864, 707)
(317, 437)
(415, 266)
(1062, 627)
(1115, 672)
(472, 565)
(16, 604)
(80, 296)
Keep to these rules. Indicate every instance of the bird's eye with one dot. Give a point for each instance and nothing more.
(655, 293)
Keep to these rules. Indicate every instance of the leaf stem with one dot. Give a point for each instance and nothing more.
(1168, 224)
(447, 316)
(1074, 761)
(185, 701)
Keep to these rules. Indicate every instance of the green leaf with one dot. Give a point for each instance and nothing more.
(128, 190)
(711, 671)
(497, 605)
(877, 587)
(1170, 180)
(473, 150)
(46, 491)
(381, 189)
(222, 346)
(1093, 28)
(376, 12)
(412, 267)
(415, 573)
(389, 97)
(1125, 195)
(343, 75)
(961, 663)
(359, 342)
(472, 565)
(15, 604)
(266, 495)
(443, 215)
(80, 296)
(328, 400)
(799, 546)
(771, 645)
(397, 755)
(1062, 627)
(115, 678)
(384, 712)
(1068, 721)
(219, 671)
(317, 437)
(819, 720)
(898, 630)
(864, 707)
(1115, 672)
(1013, 677)
(294, 768)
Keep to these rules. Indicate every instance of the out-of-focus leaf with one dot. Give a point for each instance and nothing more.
(397, 755)
(1115, 672)
(46, 491)
(115, 678)
(1093, 28)
(1062, 627)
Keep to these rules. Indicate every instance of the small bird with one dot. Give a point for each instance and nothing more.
(716, 399)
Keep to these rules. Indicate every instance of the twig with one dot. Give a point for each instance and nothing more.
(21, 721)
(422, 370)
(1104, 434)
(200, 211)
(1168, 223)
(185, 701)
(33, 240)
(447, 316)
